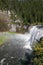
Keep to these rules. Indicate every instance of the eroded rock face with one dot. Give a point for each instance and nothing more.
(12, 53)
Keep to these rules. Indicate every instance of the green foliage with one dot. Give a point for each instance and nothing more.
(38, 54)
(31, 11)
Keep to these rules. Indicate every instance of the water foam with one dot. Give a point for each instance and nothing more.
(34, 35)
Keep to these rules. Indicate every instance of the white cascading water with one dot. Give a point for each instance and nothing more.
(34, 35)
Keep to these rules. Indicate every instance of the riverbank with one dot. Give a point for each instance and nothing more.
(4, 36)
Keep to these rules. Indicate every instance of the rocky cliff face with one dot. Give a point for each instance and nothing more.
(4, 21)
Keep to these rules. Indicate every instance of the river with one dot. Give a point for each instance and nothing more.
(18, 47)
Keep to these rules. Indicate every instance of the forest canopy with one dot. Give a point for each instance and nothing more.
(30, 11)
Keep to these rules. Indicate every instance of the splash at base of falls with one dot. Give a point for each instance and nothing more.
(17, 50)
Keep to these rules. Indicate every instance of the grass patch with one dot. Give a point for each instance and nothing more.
(4, 36)
(2, 39)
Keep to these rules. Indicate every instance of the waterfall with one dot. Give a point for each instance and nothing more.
(36, 32)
